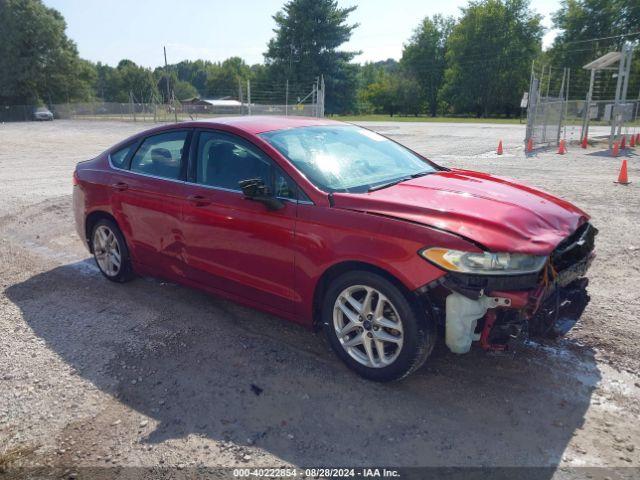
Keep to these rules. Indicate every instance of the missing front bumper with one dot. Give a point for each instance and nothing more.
(505, 320)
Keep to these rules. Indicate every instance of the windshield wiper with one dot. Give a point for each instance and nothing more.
(388, 184)
(397, 181)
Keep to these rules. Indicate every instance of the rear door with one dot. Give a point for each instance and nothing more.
(231, 243)
(148, 197)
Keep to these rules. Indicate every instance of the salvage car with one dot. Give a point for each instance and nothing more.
(336, 227)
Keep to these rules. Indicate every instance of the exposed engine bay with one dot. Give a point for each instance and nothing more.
(502, 312)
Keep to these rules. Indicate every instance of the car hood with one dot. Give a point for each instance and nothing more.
(495, 212)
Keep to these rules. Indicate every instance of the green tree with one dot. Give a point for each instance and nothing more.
(132, 79)
(581, 21)
(590, 28)
(393, 94)
(108, 83)
(373, 73)
(166, 84)
(194, 72)
(489, 55)
(184, 90)
(423, 58)
(37, 60)
(223, 79)
(308, 36)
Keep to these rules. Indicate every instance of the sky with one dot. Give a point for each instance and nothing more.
(218, 29)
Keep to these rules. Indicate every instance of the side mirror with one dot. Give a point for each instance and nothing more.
(255, 189)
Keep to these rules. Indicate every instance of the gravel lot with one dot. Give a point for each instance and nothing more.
(152, 374)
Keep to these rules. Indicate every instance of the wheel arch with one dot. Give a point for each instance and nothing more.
(93, 218)
(337, 269)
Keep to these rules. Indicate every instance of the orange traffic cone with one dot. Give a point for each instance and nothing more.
(530, 145)
(623, 179)
(585, 143)
(623, 142)
(632, 141)
(500, 148)
(561, 148)
(616, 149)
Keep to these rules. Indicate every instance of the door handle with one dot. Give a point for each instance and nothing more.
(120, 186)
(199, 200)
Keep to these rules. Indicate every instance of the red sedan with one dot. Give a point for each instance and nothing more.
(334, 226)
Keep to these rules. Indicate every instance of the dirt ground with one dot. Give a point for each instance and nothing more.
(152, 374)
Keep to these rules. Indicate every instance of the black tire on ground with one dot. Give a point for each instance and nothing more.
(125, 272)
(419, 331)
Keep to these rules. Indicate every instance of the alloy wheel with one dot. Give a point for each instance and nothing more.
(368, 326)
(107, 250)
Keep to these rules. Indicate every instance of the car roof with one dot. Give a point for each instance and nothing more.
(260, 124)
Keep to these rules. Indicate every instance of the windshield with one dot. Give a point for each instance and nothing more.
(347, 158)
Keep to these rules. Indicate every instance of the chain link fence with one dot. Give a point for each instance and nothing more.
(262, 101)
(596, 122)
(589, 103)
(553, 119)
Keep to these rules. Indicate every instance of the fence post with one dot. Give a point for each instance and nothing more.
(240, 95)
(562, 106)
(175, 109)
(314, 98)
(286, 99)
(529, 130)
(587, 108)
(566, 103)
(622, 76)
(248, 97)
(625, 83)
(132, 110)
(322, 90)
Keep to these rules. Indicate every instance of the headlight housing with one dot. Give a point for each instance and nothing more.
(483, 263)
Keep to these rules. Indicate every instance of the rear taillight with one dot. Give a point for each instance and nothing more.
(75, 178)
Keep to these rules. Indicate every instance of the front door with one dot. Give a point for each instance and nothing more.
(232, 243)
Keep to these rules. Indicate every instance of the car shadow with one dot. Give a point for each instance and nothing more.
(198, 365)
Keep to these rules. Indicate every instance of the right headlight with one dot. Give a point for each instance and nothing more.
(484, 263)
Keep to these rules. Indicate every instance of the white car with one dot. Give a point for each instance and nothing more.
(42, 113)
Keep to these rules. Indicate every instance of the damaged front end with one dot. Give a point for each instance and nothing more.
(502, 311)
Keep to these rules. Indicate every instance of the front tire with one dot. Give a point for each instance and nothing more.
(374, 328)
(110, 251)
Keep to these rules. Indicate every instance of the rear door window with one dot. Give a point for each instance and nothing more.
(120, 156)
(161, 155)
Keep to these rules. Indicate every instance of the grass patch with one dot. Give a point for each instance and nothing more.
(395, 118)
(13, 454)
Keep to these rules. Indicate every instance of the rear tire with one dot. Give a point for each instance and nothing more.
(374, 328)
(110, 251)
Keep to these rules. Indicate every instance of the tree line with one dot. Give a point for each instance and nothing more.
(478, 64)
